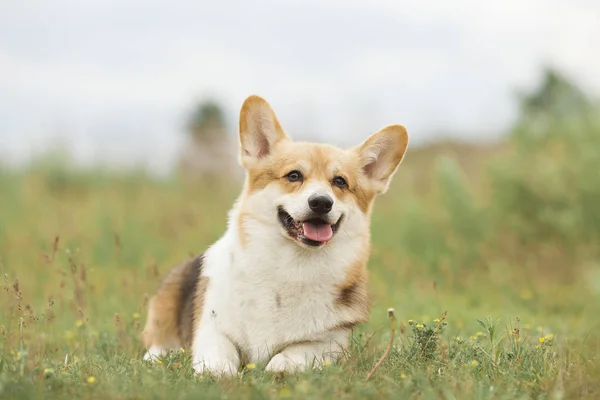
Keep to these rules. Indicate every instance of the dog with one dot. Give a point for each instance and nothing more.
(287, 281)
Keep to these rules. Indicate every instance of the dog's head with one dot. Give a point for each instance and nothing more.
(311, 191)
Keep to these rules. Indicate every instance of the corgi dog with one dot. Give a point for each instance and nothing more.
(287, 281)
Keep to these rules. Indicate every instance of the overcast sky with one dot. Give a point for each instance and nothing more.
(115, 79)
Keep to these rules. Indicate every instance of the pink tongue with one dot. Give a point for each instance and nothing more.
(318, 233)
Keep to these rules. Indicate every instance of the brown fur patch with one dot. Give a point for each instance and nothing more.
(174, 308)
(192, 289)
(345, 326)
(348, 295)
(198, 303)
(353, 293)
(355, 298)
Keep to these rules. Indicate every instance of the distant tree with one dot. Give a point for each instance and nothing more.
(546, 189)
(546, 111)
(212, 152)
(557, 95)
(207, 122)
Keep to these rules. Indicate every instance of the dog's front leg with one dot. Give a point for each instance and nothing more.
(214, 353)
(300, 357)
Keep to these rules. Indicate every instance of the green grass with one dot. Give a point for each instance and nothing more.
(82, 251)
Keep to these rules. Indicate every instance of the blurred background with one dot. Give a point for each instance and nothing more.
(117, 82)
(118, 146)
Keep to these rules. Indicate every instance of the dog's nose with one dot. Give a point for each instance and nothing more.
(320, 204)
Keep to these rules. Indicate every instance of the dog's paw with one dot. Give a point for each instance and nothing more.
(287, 363)
(216, 367)
(154, 353)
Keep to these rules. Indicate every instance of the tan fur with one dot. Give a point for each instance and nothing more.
(256, 136)
(198, 307)
(280, 155)
(161, 325)
(353, 292)
(241, 229)
(391, 137)
(315, 161)
(170, 320)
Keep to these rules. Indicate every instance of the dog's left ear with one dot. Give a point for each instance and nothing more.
(381, 154)
(259, 130)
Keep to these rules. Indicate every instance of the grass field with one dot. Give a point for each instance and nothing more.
(81, 251)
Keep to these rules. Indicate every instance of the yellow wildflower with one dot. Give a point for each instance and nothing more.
(182, 350)
(479, 333)
(458, 339)
(326, 363)
(474, 363)
(79, 323)
(437, 320)
(473, 337)
(251, 366)
(410, 321)
(542, 340)
(91, 379)
(403, 376)
(420, 326)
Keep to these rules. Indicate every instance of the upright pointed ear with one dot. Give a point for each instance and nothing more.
(381, 154)
(259, 130)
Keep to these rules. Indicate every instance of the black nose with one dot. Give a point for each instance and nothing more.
(320, 204)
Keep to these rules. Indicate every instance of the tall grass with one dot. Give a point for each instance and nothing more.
(514, 246)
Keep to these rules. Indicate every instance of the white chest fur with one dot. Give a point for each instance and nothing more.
(269, 294)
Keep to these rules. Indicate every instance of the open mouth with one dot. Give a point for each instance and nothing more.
(314, 231)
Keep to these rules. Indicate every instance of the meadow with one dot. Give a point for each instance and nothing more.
(488, 255)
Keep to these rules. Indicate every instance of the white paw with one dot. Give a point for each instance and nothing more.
(291, 363)
(216, 367)
(154, 353)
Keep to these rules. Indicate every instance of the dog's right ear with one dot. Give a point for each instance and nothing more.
(259, 130)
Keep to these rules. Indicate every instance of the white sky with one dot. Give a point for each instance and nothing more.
(115, 79)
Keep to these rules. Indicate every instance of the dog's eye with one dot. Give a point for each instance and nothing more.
(340, 182)
(294, 176)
